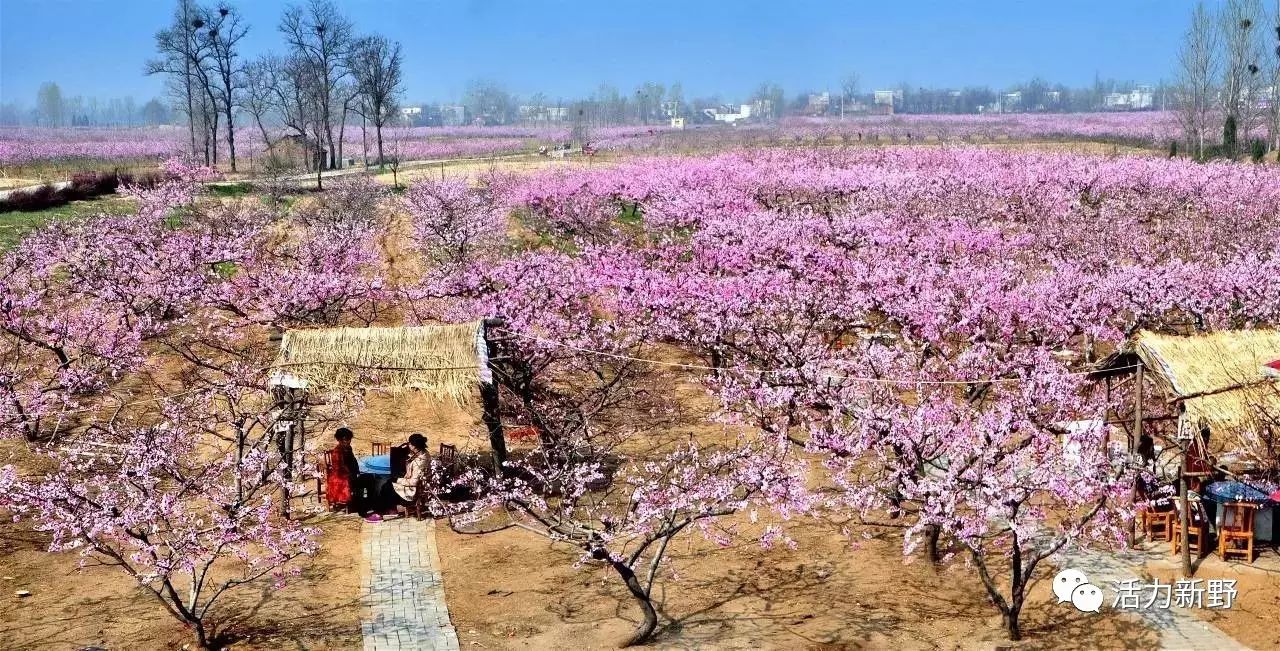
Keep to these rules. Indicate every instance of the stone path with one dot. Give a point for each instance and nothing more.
(406, 607)
(1179, 628)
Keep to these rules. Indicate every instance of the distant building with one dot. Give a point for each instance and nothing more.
(1141, 97)
(728, 114)
(890, 97)
(453, 115)
(677, 123)
(818, 104)
(885, 102)
(410, 113)
(542, 113)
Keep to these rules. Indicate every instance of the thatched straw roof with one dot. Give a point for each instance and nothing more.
(1217, 376)
(443, 360)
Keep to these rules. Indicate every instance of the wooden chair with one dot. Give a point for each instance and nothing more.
(399, 455)
(447, 460)
(381, 448)
(322, 465)
(421, 506)
(1158, 521)
(1235, 534)
(1197, 529)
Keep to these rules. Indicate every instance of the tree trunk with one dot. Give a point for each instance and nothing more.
(191, 116)
(342, 135)
(333, 152)
(231, 137)
(202, 636)
(1012, 625)
(364, 140)
(650, 622)
(931, 534)
(377, 128)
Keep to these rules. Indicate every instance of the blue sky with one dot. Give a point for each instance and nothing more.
(568, 48)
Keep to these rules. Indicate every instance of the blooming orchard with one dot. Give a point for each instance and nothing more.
(915, 320)
(103, 319)
(904, 328)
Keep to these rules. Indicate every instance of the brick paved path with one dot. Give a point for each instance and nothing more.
(1179, 628)
(405, 607)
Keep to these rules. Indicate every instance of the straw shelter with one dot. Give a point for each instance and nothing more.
(1212, 381)
(446, 361)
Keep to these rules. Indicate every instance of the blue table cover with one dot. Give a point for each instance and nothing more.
(1234, 491)
(378, 464)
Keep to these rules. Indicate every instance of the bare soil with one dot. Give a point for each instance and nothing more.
(1252, 618)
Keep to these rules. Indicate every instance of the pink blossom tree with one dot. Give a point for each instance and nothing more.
(191, 521)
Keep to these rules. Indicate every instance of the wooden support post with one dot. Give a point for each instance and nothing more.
(1135, 435)
(491, 404)
(1184, 522)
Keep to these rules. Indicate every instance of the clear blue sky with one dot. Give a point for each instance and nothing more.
(567, 48)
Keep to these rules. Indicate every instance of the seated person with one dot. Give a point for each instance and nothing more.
(404, 490)
(340, 485)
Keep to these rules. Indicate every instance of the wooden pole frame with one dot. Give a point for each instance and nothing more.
(1135, 435)
(1184, 518)
(489, 396)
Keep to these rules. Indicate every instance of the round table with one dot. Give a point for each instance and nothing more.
(378, 464)
(375, 472)
(1223, 492)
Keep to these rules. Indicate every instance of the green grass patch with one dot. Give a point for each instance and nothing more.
(225, 269)
(16, 225)
(230, 190)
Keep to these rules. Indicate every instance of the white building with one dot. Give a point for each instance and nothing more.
(1141, 97)
(818, 104)
(452, 115)
(727, 115)
(888, 97)
(542, 113)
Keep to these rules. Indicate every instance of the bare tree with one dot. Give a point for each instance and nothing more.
(260, 81)
(320, 37)
(1242, 51)
(376, 65)
(1197, 63)
(1273, 122)
(223, 33)
(179, 54)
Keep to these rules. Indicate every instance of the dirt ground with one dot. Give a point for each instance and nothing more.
(103, 607)
(1252, 618)
(515, 591)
